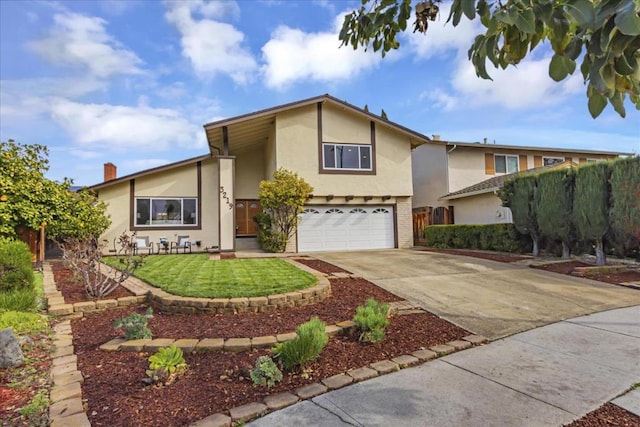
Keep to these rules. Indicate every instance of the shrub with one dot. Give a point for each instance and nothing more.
(16, 271)
(371, 319)
(493, 237)
(269, 239)
(311, 339)
(265, 372)
(166, 365)
(135, 325)
(23, 323)
(18, 300)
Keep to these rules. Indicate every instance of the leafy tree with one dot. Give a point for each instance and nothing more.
(282, 199)
(553, 202)
(29, 199)
(591, 205)
(603, 35)
(625, 202)
(518, 194)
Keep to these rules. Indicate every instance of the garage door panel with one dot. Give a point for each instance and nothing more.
(346, 227)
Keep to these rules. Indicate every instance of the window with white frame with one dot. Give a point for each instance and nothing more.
(157, 211)
(506, 164)
(346, 157)
(550, 161)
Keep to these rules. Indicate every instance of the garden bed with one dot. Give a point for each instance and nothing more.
(576, 268)
(608, 415)
(74, 292)
(493, 256)
(218, 381)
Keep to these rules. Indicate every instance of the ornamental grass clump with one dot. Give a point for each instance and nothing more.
(166, 365)
(265, 372)
(135, 325)
(311, 339)
(371, 320)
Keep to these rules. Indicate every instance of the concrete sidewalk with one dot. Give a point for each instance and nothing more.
(547, 376)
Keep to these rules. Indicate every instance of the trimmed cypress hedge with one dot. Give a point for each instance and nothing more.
(489, 237)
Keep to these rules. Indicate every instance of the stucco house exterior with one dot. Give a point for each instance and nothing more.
(457, 182)
(359, 164)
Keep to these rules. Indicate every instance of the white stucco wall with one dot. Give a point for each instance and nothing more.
(250, 170)
(481, 209)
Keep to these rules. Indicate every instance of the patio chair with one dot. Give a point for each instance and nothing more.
(183, 243)
(142, 243)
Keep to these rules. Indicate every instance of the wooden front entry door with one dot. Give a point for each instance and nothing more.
(245, 211)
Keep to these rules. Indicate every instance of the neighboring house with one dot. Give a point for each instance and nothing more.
(359, 165)
(456, 182)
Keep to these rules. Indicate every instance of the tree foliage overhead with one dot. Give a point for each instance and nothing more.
(28, 199)
(602, 35)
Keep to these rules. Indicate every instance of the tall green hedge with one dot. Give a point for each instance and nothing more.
(553, 203)
(16, 271)
(519, 195)
(624, 214)
(490, 237)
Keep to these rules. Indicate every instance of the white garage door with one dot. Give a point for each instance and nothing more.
(335, 228)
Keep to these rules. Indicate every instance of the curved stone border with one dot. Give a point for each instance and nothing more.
(250, 411)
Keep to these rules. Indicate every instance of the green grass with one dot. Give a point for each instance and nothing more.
(23, 323)
(198, 276)
(24, 299)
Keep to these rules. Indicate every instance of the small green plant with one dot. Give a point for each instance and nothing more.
(166, 365)
(265, 372)
(38, 404)
(135, 325)
(311, 339)
(371, 320)
(23, 323)
(16, 271)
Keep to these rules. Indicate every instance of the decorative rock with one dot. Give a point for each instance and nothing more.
(187, 345)
(337, 381)
(442, 349)
(475, 339)
(248, 411)
(385, 366)
(347, 324)
(311, 390)
(262, 342)
(215, 420)
(210, 344)
(459, 344)
(362, 374)
(65, 408)
(237, 344)
(332, 330)
(405, 360)
(280, 400)
(10, 351)
(424, 355)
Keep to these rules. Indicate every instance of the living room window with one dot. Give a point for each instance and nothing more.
(159, 211)
(550, 161)
(346, 157)
(506, 164)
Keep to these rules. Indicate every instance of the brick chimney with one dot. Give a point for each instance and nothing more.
(110, 171)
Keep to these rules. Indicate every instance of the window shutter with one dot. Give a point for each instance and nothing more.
(582, 160)
(537, 161)
(523, 163)
(489, 166)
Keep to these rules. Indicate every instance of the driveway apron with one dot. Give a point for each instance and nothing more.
(485, 297)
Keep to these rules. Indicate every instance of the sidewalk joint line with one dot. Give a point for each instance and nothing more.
(600, 329)
(355, 423)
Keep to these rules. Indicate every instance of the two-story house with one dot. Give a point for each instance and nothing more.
(359, 165)
(457, 182)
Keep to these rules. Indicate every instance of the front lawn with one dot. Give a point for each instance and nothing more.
(198, 276)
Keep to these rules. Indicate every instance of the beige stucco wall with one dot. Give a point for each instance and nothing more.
(339, 125)
(480, 209)
(270, 161)
(467, 167)
(180, 182)
(297, 150)
(250, 170)
(429, 175)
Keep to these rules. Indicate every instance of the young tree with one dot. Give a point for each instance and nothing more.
(625, 203)
(591, 205)
(518, 194)
(29, 199)
(553, 203)
(282, 199)
(602, 34)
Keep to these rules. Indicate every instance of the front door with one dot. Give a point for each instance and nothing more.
(245, 211)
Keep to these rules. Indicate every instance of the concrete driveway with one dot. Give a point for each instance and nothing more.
(485, 297)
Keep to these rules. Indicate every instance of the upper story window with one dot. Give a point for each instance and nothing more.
(158, 211)
(550, 161)
(346, 157)
(506, 164)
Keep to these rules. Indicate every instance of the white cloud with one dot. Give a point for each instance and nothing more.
(85, 154)
(82, 41)
(142, 164)
(292, 55)
(117, 127)
(213, 47)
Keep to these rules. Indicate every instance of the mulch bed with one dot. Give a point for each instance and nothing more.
(321, 266)
(218, 381)
(74, 291)
(608, 415)
(569, 267)
(484, 255)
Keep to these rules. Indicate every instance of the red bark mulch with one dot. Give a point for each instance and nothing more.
(608, 415)
(321, 266)
(613, 277)
(218, 381)
(74, 291)
(478, 254)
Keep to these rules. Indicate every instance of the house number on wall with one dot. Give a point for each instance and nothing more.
(225, 197)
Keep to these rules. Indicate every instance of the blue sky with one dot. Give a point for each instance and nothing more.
(132, 82)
